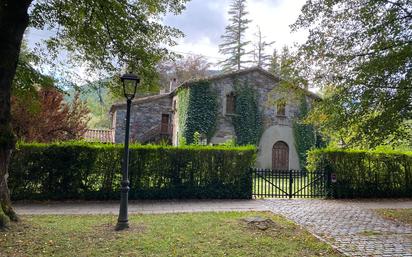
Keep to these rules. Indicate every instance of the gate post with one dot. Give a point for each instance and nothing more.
(327, 172)
(290, 184)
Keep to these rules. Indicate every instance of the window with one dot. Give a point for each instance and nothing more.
(164, 128)
(230, 103)
(281, 108)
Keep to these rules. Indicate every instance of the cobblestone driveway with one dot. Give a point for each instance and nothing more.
(353, 228)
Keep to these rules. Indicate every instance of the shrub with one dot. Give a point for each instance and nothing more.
(363, 173)
(79, 170)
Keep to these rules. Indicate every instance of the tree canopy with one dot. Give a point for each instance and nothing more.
(274, 66)
(182, 69)
(109, 35)
(102, 35)
(39, 112)
(49, 118)
(360, 53)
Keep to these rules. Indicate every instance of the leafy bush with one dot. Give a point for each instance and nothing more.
(79, 170)
(365, 173)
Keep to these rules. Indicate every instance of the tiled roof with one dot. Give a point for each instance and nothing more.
(140, 100)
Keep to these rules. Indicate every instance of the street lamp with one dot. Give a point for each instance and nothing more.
(130, 83)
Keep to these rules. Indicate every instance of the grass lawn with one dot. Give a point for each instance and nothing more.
(402, 215)
(192, 234)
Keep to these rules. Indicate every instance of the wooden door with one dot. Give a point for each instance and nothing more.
(164, 129)
(280, 156)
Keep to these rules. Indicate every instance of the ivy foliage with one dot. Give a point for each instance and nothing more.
(304, 134)
(247, 120)
(197, 110)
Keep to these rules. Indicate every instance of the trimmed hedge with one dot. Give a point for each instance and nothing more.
(93, 171)
(365, 173)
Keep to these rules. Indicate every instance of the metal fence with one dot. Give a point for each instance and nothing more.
(289, 183)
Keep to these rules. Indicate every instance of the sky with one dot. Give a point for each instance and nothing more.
(204, 21)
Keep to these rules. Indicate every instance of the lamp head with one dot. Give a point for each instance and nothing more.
(130, 82)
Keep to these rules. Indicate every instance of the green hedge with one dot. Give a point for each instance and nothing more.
(93, 171)
(365, 173)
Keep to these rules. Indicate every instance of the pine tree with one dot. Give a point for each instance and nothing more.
(286, 64)
(289, 69)
(233, 44)
(260, 57)
(274, 66)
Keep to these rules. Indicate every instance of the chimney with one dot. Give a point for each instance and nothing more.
(173, 84)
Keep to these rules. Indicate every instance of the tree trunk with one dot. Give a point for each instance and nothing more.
(14, 20)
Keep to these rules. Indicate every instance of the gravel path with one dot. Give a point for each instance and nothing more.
(112, 207)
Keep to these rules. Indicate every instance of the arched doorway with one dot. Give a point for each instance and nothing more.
(280, 156)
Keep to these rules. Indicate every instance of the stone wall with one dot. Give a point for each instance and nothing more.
(266, 89)
(146, 115)
(275, 127)
(269, 137)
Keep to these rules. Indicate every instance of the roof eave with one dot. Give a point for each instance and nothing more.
(229, 74)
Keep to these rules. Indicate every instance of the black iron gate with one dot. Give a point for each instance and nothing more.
(290, 183)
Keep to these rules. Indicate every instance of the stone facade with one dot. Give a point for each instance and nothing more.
(147, 113)
(145, 118)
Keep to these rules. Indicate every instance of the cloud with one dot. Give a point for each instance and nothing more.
(274, 19)
(201, 19)
(204, 21)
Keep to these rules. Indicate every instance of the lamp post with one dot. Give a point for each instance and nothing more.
(130, 83)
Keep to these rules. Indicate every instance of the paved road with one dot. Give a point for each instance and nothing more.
(352, 227)
(112, 207)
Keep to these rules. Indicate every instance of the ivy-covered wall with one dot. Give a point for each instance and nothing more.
(197, 110)
(304, 134)
(247, 120)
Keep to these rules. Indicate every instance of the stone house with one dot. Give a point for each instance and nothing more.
(154, 118)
